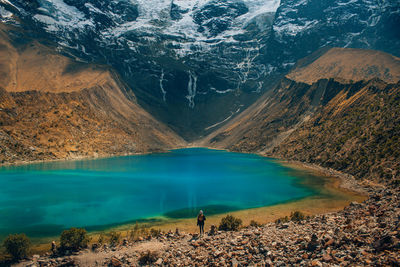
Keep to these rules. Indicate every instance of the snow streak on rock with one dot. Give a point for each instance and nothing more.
(192, 87)
(162, 86)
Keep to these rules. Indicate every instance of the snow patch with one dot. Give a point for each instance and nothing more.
(5, 14)
(162, 86)
(294, 29)
(62, 16)
(225, 120)
(221, 91)
(192, 87)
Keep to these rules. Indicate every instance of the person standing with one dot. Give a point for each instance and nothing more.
(200, 222)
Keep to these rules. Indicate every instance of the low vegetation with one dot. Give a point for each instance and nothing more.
(102, 239)
(74, 239)
(295, 216)
(358, 134)
(253, 223)
(114, 238)
(230, 223)
(17, 246)
(155, 232)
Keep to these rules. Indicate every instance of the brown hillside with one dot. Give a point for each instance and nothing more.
(32, 66)
(357, 133)
(349, 126)
(348, 64)
(52, 107)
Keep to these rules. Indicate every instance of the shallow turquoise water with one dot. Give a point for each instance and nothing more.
(42, 199)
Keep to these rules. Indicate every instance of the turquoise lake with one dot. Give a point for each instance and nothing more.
(45, 198)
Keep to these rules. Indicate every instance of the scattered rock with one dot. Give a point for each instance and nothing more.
(313, 244)
(383, 243)
(159, 262)
(115, 262)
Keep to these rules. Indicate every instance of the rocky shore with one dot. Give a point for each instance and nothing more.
(366, 233)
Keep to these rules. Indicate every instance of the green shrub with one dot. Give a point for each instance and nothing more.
(229, 223)
(114, 238)
(74, 239)
(148, 258)
(134, 234)
(297, 216)
(253, 223)
(155, 232)
(17, 245)
(144, 232)
(102, 239)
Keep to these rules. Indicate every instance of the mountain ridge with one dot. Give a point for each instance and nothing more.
(349, 64)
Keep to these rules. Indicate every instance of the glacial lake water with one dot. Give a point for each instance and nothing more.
(43, 199)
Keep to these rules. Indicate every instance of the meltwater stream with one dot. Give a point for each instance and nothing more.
(42, 199)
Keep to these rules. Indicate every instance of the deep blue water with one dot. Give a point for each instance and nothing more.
(42, 199)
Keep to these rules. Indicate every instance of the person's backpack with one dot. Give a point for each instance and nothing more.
(201, 218)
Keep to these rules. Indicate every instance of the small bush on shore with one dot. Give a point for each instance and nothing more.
(229, 223)
(297, 216)
(17, 245)
(114, 238)
(144, 232)
(102, 239)
(74, 239)
(155, 232)
(253, 223)
(134, 233)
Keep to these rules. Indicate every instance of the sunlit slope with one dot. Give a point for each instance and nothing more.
(348, 64)
(53, 107)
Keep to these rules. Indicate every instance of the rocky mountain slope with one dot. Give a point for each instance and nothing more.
(348, 122)
(195, 64)
(52, 107)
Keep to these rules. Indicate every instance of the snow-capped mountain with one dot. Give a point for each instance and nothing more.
(303, 26)
(195, 64)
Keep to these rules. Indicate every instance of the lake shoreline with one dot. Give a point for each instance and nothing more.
(78, 158)
(339, 181)
(347, 181)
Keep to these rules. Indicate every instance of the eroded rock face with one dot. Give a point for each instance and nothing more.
(301, 27)
(217, 16)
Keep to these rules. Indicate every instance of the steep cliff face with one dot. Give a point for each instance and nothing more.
(52, 107)
(348, 122)
(303, 26)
